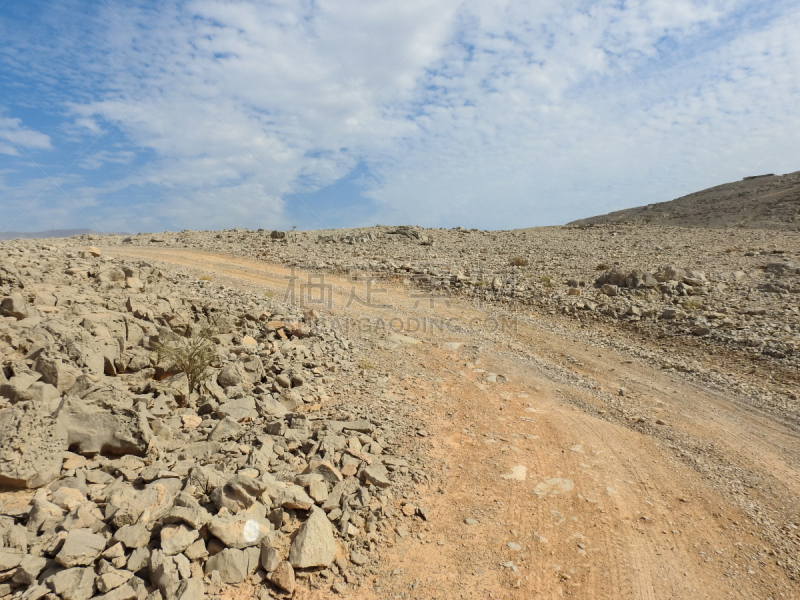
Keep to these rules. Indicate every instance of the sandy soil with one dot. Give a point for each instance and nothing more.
(671, 490)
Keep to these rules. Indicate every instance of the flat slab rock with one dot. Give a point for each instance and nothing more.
(81, 548)
(32, 448)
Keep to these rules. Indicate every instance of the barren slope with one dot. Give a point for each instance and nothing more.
(761, 202)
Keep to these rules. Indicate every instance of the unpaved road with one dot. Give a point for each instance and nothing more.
(672, 490)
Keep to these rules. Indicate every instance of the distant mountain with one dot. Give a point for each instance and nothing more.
(53, 233)
(758, 202)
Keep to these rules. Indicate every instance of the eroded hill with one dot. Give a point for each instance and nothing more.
(761, 202)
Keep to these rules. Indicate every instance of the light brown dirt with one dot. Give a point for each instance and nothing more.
(678, 490)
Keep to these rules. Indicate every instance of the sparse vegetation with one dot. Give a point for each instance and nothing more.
(546, 281)
(692, 305)
(206, 278)
(191, 355)
(602, 267)
(519, 261)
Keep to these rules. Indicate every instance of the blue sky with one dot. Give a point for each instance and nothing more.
(215, 114)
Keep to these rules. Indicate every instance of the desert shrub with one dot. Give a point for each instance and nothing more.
(206, 278)
(191, 355)
(546, 281)
(602, 267)
(519, 261)
(366, 365)
(692, 305)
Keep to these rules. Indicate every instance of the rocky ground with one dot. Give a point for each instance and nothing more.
(708, 291)
(140, 488)
(390, 462)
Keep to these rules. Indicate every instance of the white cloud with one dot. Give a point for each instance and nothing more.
(652, 135)
(98, 159)
(14, 135)
(498, 114)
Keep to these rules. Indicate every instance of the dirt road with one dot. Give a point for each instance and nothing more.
(547, 481)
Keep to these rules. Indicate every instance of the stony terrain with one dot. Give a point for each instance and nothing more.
(707, 290)
(762, 201)
(634, 434)
(144, 488)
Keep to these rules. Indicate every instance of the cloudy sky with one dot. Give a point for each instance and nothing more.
(212, 114)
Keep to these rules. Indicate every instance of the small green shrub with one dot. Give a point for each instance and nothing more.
(519, 261)
(691, 305)
(191, 355)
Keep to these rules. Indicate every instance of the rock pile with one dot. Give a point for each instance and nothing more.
(144, 488)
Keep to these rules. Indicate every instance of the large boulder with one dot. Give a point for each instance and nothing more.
(283, 577)
(32, 445)
(163, 573)
(314, 545)
(238, 409)
(98, 354)
(128, 506)
(81, 548)
(41, 393)
(56, 372)
(16, 306)
(233, 565)
(20, 381)
(268, 406)
(240, 531)
(132, 536)
(672, 273)
(76, 583)
(225, 429)
(625, 279)
(176, 386)
(232, 374)
(104, 419)
(176, 537)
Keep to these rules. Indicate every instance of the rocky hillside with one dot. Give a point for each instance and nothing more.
(275, 463)
(763, 202)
